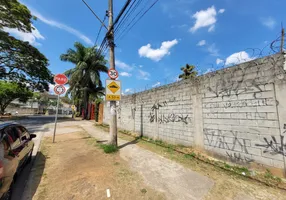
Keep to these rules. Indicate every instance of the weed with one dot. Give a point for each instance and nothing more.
(170, 150)
(109, 148)
(143, 190)
(227, 166)
(269, 175)
(116, 163)
(191, 155)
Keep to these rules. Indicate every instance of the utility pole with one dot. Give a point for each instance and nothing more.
(113, 114)
(282, 40)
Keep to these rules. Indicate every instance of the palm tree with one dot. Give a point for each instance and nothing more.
(188, 72)
(84, 78)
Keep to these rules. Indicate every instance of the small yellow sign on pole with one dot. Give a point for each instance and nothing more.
(113, 90)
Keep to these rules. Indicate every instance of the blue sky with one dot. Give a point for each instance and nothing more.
(208, 34)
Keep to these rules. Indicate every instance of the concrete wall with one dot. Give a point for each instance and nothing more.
(238, 113)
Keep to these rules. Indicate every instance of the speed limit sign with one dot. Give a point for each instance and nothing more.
(113, 74)
(59, 89)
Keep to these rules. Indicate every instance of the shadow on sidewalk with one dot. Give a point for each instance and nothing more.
(36, 174)
(135, 141)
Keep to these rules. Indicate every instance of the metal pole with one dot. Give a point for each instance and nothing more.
(56, 118)
(113, 118)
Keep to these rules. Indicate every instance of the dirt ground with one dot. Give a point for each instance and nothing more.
(76, 168)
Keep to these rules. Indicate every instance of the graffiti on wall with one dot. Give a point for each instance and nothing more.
(274, 145)
(215, 138)
(237, 157)
(155, 116)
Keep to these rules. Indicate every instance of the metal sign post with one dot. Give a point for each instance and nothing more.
(56, 119)
(59, 89)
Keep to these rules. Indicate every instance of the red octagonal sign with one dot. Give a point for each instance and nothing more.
(60, 79)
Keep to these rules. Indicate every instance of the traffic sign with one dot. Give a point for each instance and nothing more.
(113, 74)
(113, 90)
(73, 107)
(59, 89)
(60, 79)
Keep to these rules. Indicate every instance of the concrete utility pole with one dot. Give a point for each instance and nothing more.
(113, 114)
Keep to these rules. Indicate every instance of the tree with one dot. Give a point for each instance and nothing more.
(188, 72)
(84, 78)
(10, 91)
(20, 61)
(15, 15)
(66, 100)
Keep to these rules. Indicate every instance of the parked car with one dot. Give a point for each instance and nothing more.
(16, 148)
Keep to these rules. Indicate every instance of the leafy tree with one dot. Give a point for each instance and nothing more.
(188, 72)
(20, 61)
(84, 78)
(66, 100)
(13, 14)
(10, 91)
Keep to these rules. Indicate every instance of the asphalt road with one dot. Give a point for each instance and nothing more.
(36, 125)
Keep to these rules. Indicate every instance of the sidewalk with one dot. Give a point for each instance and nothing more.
(159, 173)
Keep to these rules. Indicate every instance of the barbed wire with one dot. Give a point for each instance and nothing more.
(246, 55)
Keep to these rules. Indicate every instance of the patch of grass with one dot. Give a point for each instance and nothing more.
(144, 191)
(116, 163)
(109, 148)
(268, 175)
(227, 166)
(190, 155)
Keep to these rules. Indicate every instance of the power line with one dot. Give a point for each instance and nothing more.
(136, 21)
(94, 14)
(100, 30)
(127, 14)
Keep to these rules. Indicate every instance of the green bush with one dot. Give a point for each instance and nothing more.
(109, 148)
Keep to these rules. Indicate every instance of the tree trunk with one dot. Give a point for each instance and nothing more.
(2, 110)
(86, 100)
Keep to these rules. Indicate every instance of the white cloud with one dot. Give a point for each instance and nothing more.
(51, 88)
(156, 84)
(211, 28)
(157, 54)
(61, 26)
(238, 58)
(221, 11)
(209, 70)
(219, 61)
(213, 50)
(143, 75)
(126, 74)
(179, 26)
(201, 43)
(128, 90)
(205, 18)
(269, 22)
(123, 65)
(28, 37)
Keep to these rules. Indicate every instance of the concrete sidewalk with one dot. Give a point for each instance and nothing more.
(159, 173)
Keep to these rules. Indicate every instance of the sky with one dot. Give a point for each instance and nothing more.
(207, 34)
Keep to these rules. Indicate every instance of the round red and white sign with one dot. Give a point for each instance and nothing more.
(113, 74)
(59, 89)
(60, 79)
